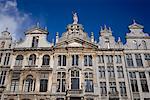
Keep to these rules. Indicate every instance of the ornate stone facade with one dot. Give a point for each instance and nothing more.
(75, 67)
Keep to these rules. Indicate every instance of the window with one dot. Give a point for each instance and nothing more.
(87, 60)
(133, 81)
(43, 82)
(122, 89)
(129, 60)
(112, 86)
(61, 81)
(75, 59)
(14, 85)
(2, 77)
(2, 44)
(147, 56)
(138, 60)
(88, 82)
(6, 60)
(35, 41)
(102, 71)
(103, 88)
(1, 55)
(29, 84)
(61, 60)
(15, 81)
(109, 59)
(32, 59)
(75, 80)
(46, 60)
(19, 60)
(100, 59)
(143, 80)
(111, 72)
(144, 44)
(60, 99)
(120, 72)
(118, 59)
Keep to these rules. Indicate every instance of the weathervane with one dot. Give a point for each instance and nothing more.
(75, 18)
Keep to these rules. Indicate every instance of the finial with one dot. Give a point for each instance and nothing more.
(101, 28)
(119, 39)
(134, 21)
(92, 33)
(105, 28)
(38, 24)
(57, 33)
(75, 18)
(45, 28)
(109, 28)
(6, 29)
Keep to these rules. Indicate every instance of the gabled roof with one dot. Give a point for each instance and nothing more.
(36, 30)
(136, 26)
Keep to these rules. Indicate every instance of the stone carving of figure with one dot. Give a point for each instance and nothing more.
(75, 18)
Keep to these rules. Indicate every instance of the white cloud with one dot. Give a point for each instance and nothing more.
(13, 19)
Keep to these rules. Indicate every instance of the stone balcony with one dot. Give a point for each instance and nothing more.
(74, 92)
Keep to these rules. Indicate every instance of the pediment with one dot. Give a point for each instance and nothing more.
(76, 42)
(36, 30)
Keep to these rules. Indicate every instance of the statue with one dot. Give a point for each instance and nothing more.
(75, 18)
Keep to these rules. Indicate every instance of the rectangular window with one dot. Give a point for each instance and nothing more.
(61, 81)
(2, 77)
(122, 89)
(14, 85)
(120, 72)
(61, 60)
(103, 88)
(111, 72)
(43, 82)
(87, 60)
(109, 59)
(112, 86)
(102, 71)
(89, 82)
(75, 59)
(147, 56)
(100, 59)
(143, 80)
(6, 59)
(138, 60)
(118, 59)
(129, 60)
(35, 41)
(133, 81)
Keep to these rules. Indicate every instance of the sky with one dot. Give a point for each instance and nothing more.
(20, 15)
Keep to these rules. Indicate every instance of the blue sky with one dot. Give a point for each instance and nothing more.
(56, 14)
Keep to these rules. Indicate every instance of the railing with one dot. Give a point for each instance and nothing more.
(74, 91)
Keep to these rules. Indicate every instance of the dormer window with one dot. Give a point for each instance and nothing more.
(35, 41)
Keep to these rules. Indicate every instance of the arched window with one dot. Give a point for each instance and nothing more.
(29, 84)
(144, 44)
(32, 59)
(19, 60)
(46, 59)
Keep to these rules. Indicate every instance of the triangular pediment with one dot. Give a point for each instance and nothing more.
(36, 30)
(76, 42)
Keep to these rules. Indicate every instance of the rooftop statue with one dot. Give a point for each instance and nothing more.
(75, 18)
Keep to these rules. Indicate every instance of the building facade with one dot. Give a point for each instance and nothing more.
(75, 67)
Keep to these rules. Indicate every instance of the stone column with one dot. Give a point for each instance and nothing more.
(37, 83)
